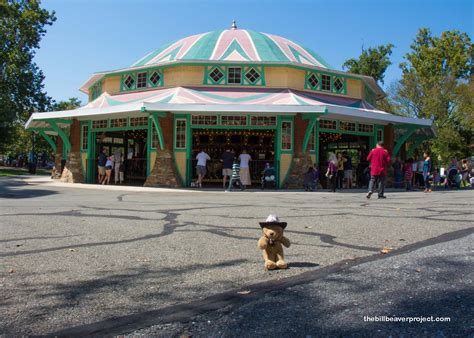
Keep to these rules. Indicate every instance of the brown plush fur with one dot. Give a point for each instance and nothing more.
(273, 254)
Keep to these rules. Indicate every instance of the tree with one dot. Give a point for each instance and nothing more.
(372, 62)
(22, 25)
(437, 84)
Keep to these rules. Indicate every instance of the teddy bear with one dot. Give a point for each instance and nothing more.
(272, 241)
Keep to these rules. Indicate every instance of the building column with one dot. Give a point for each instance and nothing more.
(301, 161)
(72, 172)
(389, 138)
(163, 172)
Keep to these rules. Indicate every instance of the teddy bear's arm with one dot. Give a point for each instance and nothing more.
(285, 241)
(263, 243)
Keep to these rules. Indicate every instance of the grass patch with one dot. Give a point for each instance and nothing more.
(22, 171)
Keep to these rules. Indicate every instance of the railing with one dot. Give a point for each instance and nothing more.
(214, 170)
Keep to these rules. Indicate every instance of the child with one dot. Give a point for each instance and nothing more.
(309, 183)
(408, 174)
(235, 177)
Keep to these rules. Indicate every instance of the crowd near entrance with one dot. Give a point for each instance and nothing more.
(352, 151)
(259, 144)
(127, 149)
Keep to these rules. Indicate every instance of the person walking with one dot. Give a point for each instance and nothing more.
(102, 159)
(379, 160)
(244, 168)
(347, 169)
(202, 159)
(109, 165)
(464, 173)
(235, 178)
(227, 160)
(331, 173)
(427, 168)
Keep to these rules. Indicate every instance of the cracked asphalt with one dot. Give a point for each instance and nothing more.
(74, 259)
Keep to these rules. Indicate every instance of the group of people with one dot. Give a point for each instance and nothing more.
(234, 168)
(339, 172)
(107, 164)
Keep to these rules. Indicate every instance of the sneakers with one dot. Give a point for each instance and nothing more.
(369, 194)
(382, 197)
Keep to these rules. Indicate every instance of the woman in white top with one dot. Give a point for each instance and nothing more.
(244, 168)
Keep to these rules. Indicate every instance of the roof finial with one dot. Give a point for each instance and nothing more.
(234, 25)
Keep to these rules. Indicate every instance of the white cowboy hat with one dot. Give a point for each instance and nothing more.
(273, 220)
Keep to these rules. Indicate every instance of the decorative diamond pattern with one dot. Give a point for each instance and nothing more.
(338, 84)
(129, 82)
(216, 75)
(155, 78)
(252, 75)
(313, 81)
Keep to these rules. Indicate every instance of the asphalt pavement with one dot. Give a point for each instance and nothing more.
(88, 259)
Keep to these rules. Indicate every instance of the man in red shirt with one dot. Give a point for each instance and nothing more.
(379, 160)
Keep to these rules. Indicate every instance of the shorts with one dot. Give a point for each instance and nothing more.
(348, 174)
(201, 170)
(101, 170)
(226, 172)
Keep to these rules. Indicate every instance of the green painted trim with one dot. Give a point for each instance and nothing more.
(417, 142)
(56, 120)
(62, 134)
(90, 171)
(149, 140)
(156, 123)
(48, 139)
(309, 131)
(403, 139)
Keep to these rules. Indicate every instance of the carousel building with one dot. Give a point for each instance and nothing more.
(233, 88)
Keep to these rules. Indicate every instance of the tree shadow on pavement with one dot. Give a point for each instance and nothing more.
(10, 188)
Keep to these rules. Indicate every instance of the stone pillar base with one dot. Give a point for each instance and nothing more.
(300, 166)
(72, 172)
(164, 172)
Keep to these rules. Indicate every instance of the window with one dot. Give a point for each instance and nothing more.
(204, 120)
(252, 75)
(216, 75)
(234, 120)
(325, 82)
(138, 121)
(180, 134)
(155, 78)
(327, 124)
(85, 137)
(286, 135)
(366, 128)
(379, 135)
(347, 126)
(129, 82)
(118, 123)
(141, 80)
(313, 81)
(263, 121)
(99, 124)
(96, 90)
(338, 84)
(234, 75)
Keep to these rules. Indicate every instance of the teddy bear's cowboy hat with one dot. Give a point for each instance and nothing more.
(273, 220)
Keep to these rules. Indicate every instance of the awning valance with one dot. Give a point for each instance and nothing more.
(226, 100)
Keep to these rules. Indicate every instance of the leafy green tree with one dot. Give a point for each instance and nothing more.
(22, 25)
(372, 62)
(437, 84)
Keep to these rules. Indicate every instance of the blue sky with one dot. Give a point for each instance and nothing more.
(97, 35)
